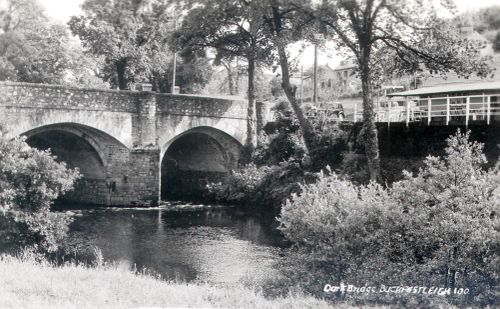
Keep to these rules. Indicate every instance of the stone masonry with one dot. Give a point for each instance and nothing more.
(129, 132)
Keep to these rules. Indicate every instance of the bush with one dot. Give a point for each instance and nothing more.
(280, 183)
(281, 140)
(261, 186)
(30, 180)
(240, 186)
(439, 227)
(330, 144)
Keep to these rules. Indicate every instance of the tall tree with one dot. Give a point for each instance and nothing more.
(125, 33)
(233, 74)
(192, 73)
(233, 29)
(409, 29)
(21, 14)
(286, 24)
(132, 37)
(31, 49)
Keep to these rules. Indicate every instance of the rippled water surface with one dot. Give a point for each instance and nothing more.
(214, 244)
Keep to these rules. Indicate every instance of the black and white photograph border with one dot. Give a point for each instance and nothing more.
(249, 153)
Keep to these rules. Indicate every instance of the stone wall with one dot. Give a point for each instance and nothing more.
(205, 106)
(56, 96)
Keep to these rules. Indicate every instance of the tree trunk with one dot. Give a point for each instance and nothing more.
(121, 66)
(251, 103)
(249, 147)
(305, 125)
(230, 77)
(369, 130)
(237, 78)
(230, 81)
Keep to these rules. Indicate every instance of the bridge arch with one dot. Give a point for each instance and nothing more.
(82, 147)
(195, 157)
(74, 129)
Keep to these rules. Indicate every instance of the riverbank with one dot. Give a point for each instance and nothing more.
(27, 283)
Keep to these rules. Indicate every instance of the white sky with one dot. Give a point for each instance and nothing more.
(61, 10)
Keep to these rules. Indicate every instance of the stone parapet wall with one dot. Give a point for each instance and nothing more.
(190, 105)
(61, 97)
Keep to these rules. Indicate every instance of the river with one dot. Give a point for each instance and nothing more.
(215, 244)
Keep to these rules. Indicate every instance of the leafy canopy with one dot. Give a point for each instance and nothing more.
(133, 39)
(406, 35)
(32, 49)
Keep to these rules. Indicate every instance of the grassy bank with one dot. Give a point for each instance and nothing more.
(25, 283)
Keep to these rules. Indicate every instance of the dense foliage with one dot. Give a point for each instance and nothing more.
(32, 49)
(381, 33)
(281, 140)
(439, 227)
(280, 163)
(266, 187)
(133, 37)
(30, 180)
(240, 185)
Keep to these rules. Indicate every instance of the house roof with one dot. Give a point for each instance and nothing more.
(458, 87)
(345, 64)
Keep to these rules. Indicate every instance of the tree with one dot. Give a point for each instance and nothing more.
(457, 192)
(125, 33)
(410, 30)
(21, 14)
(132, 37)
(286, 24)
(193, 75)
(230, 77)
(32, 49)
(485, 19)
(30, 180)
(234, 29)
(84, 70)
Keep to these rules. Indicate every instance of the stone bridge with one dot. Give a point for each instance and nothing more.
(132, 148)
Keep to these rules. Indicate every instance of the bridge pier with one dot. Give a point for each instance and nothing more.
(137, 180)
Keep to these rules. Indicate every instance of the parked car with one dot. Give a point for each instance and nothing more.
(334, 112)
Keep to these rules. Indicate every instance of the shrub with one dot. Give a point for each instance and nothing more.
(30, 180)
(330, 145)
(239, 187)
(261, 186)
(439, 227)
(279, 184)
(280, 147)
(281, 140)
(451, 214)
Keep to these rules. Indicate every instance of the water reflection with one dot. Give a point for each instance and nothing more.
(220, 245)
